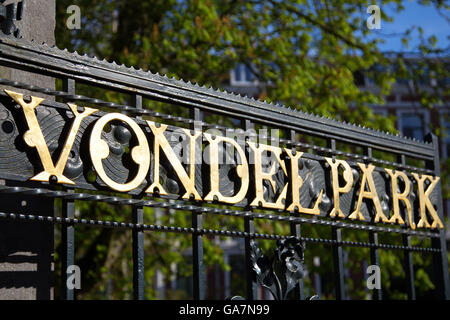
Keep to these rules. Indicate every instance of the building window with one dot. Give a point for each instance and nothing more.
(359, 78)
(412, 124)
(242, 75)
(371, 74)
(237, 73)
(380, 111)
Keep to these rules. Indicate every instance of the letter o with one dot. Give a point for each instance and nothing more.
(99, 150)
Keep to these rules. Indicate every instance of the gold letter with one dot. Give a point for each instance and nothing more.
(241, 170)
(260, 176)
(371, 194)
(297, 183)
(348, 177)
(425, 202)
(99, 150)
(161, 141)
(400, 196)
(34, 138)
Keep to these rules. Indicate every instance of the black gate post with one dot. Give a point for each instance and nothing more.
(26, 253)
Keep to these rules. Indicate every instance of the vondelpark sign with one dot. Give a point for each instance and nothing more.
(54, 149)
(262, 175)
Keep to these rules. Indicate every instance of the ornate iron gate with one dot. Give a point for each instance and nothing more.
(304, 189)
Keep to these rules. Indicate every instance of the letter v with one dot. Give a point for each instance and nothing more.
(34, 138)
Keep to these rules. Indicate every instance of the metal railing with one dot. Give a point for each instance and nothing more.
(72, 68)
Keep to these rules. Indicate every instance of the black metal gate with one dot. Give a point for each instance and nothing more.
(247, 113)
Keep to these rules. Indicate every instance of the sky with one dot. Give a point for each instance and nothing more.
(414, 14)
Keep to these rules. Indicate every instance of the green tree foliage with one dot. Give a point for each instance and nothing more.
(306, 52)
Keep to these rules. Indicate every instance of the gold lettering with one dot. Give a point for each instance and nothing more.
(396, 197)
(425, 202)
(34, 138)
(241, 169)
(161, 141)
(99, 150)
(297, 183)
(371, 194)
(337, 190)
(260, 176)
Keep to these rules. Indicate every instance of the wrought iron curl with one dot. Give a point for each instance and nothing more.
(281, 272)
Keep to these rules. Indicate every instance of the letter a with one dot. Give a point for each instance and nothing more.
(371, 194)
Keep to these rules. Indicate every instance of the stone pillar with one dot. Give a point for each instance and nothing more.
(38, 23)
(27, 248)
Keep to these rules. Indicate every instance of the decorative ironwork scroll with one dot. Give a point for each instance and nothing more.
(281, 272)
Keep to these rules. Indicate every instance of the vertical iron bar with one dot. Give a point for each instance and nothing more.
(409, 268)
(68, 243)
(441, 273)
(373, 239)
(375, 260)
(138, 255)
(252, 286)
(338, 264)
(138, 237)
(197, 256)
(408, 255)
(197, 239)
(249, 227)
(67, 230)
(296, 232)
(337, 249)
